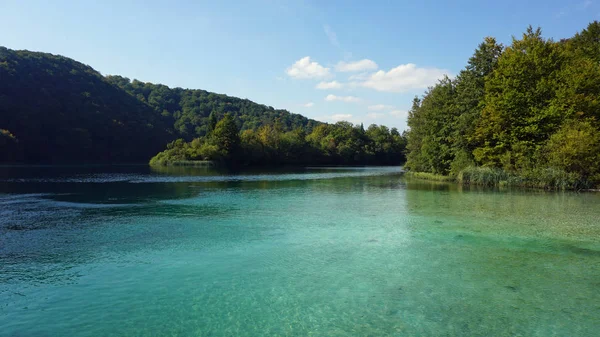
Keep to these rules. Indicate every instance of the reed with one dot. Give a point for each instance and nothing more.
(547, 178)
(483, 176)
(428, 176)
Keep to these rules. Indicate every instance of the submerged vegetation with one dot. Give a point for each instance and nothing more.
(328, 144)
(527, 114)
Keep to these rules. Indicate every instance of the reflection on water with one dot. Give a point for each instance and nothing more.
(129, 250)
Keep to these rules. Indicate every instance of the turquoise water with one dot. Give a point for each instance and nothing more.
(127, 251)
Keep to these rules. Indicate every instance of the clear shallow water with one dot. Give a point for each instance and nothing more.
(126, 251)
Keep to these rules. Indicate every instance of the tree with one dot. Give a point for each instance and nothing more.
(226, 137)
(517, 117)
(575, 147)
(417, 123)
(212, 122)
(530, 108)
(587, 42)
(431, 120)
(470, 92)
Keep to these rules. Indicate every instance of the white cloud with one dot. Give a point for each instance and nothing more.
(398, 113)
(359, 77)
(341, 117)
(337, 117)
(331, 35)
(304, 68)
(379, 107)
(361, 65)
(329, 85)
(308, 105)
(404, 78)
(375, 115)
(349, 99)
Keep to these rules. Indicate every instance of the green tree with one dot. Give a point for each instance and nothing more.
(587, 42)
(517, 117)
(226, 138)
(470, 92)
(212, 122)
(431, 119)
(575, 148)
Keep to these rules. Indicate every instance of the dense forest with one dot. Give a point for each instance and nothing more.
(523, 114)
(53, 109)
(188, 111)
(341, 143)
(56, 110)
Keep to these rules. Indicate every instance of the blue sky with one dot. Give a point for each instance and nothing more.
(361, 61)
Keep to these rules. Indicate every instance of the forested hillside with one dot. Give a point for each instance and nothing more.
(188, 111)
(527, 114)
(56, 110)
(53, 109)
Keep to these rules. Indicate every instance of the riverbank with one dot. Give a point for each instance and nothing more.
(547, 179)
(193, 163)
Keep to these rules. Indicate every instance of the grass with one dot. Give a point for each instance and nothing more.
(191, 163)
(428, 176)
(196, 163)
(483, 176)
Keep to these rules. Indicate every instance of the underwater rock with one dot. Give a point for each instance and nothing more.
(16, 227)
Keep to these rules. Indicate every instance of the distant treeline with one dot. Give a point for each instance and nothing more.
(529, 110)
(56, 110)
(327, 144)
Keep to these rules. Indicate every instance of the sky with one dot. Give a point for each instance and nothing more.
(360, 61)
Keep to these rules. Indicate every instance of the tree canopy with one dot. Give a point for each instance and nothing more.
(328, 144)
(530, 106)
(59, 110)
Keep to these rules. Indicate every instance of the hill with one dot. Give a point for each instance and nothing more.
(54, 109)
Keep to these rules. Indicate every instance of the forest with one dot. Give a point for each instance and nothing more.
(55, 110)
(524, 114)
(341, 143)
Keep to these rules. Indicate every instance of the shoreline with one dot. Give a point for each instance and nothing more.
(486, 177)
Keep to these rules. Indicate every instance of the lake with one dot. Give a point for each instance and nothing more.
(135, 251)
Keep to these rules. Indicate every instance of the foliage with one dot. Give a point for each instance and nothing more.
(529, 113)
(575, 148)
(60, 111)
(224, 140)
(328, 144)
(485, 176)
(194, 113)
(518, 116)
(547, 178)
(428, 176)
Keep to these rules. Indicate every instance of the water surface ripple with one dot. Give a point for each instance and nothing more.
(130, 251)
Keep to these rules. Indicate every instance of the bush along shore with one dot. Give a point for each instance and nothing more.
(526, 114)
(341, 143)
(547, 179)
